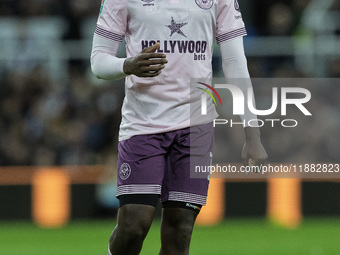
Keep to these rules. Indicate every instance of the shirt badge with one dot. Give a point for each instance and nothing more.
(205, 4)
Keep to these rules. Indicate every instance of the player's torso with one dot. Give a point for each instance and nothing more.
(186, 32)
(185, 27)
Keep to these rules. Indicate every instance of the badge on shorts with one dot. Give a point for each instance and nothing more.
(205, 4)
(124, 171)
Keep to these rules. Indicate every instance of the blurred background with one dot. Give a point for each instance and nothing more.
(55, 113)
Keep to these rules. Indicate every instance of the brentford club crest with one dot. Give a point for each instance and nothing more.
(205, 4)
(124, 171)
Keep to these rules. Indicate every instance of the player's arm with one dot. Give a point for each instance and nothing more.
(106, 65)
(104, 62)
(147, 63)
(234, 64)
(111, 27)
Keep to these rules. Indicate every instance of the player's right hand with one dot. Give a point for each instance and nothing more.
(148, 63)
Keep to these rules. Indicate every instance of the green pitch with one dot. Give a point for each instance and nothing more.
(235, 237)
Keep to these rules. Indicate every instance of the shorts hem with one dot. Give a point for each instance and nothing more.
(186, 197)
(139, 189)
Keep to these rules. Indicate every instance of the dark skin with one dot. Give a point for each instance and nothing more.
(253, 152)
(134, 220)
(148, 63)
(176, 230)
(133, 224)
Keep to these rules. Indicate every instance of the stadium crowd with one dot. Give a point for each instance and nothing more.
(44, 121)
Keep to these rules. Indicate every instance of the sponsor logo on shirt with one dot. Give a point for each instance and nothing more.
(176, 27)
(205, 4)
(197, 48)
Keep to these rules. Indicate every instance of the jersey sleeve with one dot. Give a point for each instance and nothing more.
(112, 20)
(229, 23)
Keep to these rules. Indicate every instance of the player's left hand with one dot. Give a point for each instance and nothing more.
(253, 153)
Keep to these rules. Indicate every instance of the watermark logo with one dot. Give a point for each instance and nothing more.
(244, 105)
(148, 2)
(204, 97)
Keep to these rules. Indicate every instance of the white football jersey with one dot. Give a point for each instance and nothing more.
(186, 30)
